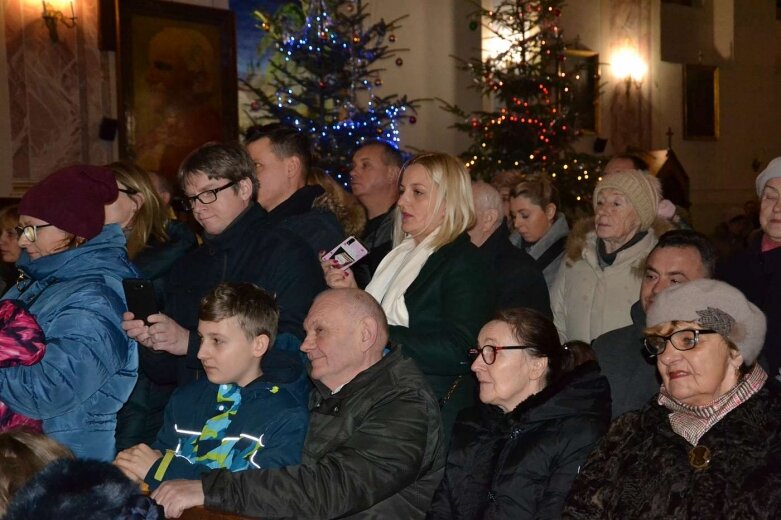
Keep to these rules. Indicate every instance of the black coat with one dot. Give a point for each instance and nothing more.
(519, 280)
(521, 465)
(641, 468)
(247, 251)
(316, 226)
(758, 276)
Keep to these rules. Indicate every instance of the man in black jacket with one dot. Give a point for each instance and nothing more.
(520, 282)
(374, 447)
(239, 246)
(680, 256)
(283, 160)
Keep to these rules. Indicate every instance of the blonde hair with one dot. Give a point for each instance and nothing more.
(22, 455)
(453, 191)
(149, 221)
(344, 205)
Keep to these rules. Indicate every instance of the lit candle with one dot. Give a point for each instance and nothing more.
(73, 15)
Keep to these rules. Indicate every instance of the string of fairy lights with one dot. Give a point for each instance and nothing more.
(325, 83)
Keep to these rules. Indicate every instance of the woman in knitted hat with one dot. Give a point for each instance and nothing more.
(600, 277)
(756, 271)
(73, 269)
(709, 445)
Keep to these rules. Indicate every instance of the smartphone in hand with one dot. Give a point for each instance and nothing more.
(347, 253)
(141, 298)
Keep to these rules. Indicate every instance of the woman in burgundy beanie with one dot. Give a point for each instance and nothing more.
(73, 267)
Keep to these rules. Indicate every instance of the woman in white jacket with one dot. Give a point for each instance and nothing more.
(600, 277)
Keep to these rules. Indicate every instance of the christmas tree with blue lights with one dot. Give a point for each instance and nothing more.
(533, 118)
(324, 76)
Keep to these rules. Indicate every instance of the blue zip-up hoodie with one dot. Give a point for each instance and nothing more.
(90, 365)
(267, 430)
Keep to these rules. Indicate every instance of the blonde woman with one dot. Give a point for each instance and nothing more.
(434, 284)
(154, 244)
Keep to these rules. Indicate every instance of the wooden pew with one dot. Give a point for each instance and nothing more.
(201, 513)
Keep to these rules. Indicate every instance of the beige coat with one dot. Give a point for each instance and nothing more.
(588, 301)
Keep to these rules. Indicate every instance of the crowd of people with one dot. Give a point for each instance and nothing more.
(487, 359)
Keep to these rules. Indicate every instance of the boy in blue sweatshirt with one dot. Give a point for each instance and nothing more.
(246, 414)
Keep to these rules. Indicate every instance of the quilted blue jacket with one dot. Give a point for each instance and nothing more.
(90, 365)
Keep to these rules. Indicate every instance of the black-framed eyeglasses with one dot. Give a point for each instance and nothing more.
(29, 232)
(685, 339)
(489, 351)
(128, 191)
(207, 196)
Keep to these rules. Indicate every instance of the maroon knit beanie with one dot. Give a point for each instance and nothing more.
(73, 199)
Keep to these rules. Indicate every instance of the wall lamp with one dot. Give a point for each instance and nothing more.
(629, 67)
(51, 17)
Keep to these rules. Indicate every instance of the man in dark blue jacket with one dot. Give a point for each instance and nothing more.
(239, 246)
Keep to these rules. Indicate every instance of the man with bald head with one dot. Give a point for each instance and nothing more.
(520, 282)
(374, 447)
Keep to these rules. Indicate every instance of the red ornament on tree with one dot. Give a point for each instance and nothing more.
(392, 38)
(254, 106)
(399, 62)
(378, 82)
(413, 120)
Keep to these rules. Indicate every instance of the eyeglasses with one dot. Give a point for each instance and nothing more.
(206, 197)
(685, 339)
(489, 351)
(29, 232)
(128, 191)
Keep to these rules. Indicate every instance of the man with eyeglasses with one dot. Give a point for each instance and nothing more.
(680, 256)
(239, 246)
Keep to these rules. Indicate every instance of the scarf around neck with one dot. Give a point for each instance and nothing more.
(692, 422)
(396, 273)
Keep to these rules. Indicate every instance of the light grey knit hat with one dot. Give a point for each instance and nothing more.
(772, 171)
(713, 305)
(643, 190)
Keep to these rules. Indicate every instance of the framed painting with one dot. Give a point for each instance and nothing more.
(582, 68)
(700, 102)
(176, 68)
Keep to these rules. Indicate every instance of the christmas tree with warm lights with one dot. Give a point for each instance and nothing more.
(324, 75)
(532, 122)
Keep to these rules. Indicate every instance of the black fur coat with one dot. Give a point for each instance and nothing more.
(81, 490)
(641, 468)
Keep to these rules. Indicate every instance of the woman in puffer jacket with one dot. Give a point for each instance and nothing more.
(514, 456)
(73, 269)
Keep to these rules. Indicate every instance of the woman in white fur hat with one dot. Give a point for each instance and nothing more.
(709, 445)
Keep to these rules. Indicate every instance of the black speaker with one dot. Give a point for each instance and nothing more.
(599, 145)
(108, 129)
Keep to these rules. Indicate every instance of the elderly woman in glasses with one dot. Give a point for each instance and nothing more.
(709, 445)
(515, 455)
(73, 269)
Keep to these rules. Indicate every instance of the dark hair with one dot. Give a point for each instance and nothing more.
(286, 142)
(535, 330)
(9, 215)
(229, 161)
(638, 163)
(391, 156)
(538, 188)
(581, 351)
(254, 308)
(691, 238)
